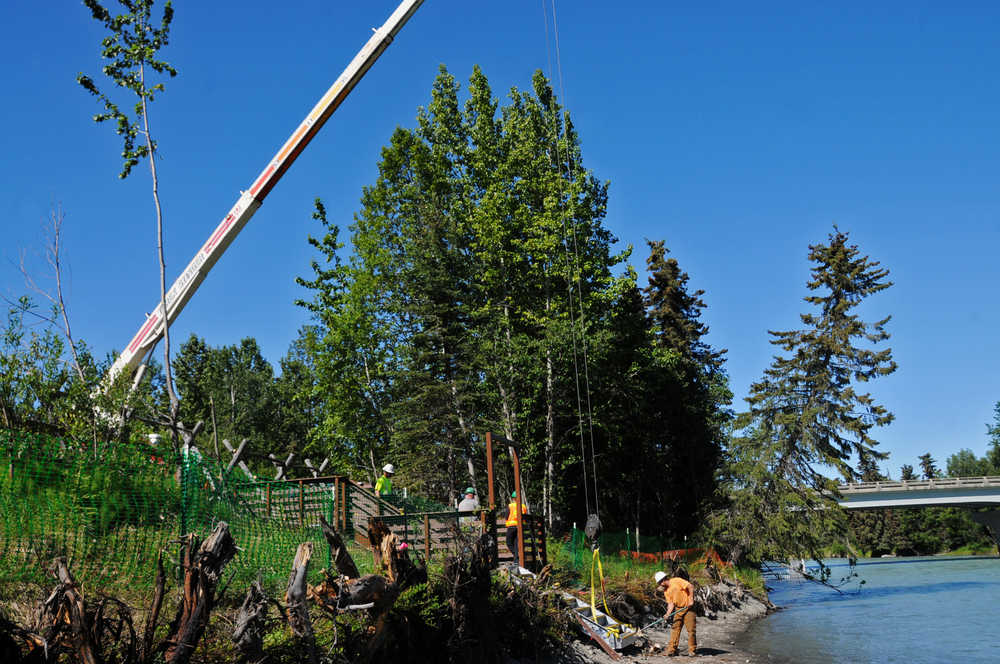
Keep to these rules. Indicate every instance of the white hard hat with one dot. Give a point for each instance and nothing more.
(659, 576)
(389, 468)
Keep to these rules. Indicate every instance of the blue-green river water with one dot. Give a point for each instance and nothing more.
(910, 610)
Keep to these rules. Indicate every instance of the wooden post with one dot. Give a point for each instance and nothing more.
(345, 485)
(302, 505)
(545, 551)
(489, 467)
(269, 500)
(519, 512)
(427, 539)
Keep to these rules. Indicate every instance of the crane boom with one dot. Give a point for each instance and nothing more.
(187, 283)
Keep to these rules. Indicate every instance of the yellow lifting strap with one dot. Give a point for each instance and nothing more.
(617, 627)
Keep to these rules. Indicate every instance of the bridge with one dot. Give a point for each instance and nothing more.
(968, 492)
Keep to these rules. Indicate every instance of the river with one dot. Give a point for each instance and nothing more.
(912, 610)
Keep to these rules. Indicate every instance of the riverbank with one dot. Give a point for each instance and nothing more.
(718, 633)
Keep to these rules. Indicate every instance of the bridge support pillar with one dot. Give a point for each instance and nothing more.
(991, 520)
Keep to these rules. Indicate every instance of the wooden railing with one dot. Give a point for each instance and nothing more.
(434, 534)
(535, 550)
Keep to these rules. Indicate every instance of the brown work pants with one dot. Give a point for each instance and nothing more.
(685, 618)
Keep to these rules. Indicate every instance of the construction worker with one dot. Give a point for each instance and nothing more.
(469, 503)
(679, 593)
(383, 486)
(512, 523)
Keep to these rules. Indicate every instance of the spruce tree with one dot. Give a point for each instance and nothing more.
(928, 466)
(689, 393)
(807, 416)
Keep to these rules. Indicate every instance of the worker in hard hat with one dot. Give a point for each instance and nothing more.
(513, 521)
(679, 593)
(383, 486)
(469, 503)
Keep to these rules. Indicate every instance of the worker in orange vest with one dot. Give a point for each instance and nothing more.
(679, 593)
(512, 523)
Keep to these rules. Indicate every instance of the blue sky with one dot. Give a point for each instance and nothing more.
(739, 134)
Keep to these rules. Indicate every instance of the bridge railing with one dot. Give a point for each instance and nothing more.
(909, 485)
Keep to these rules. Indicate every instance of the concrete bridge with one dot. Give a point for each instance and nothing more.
(942, 492)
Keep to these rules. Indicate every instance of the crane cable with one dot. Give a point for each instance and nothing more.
(612, 625)
(575, 270)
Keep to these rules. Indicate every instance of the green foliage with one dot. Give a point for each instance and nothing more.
(480, 295)
(928, 466)
(993, 431)
(130, 52)
(965, 463)
(807, 415)
(234, 389)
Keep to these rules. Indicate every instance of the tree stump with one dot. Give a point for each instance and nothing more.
(341, 558)
(251, 623)
(64, 616)
(202, 571)
(295, 599)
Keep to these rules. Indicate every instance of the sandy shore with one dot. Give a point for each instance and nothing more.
(717, 634)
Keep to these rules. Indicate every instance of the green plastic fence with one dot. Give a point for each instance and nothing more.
(577, 552)
(111, 509)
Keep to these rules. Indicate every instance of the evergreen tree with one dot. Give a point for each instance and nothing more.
(689, 394)
(480, 267)
(806, 415)
(993, 431)
(928, 466)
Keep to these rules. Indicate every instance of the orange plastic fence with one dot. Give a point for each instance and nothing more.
(699, 555)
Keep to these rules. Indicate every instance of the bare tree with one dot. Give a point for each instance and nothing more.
(52, 248)
(130, 49)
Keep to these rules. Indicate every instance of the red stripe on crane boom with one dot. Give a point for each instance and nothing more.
(230, 226)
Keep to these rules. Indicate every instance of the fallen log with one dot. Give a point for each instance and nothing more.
(202, 571)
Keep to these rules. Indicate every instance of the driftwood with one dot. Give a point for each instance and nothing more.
(341, 558)
(202, 570)
(251, 623)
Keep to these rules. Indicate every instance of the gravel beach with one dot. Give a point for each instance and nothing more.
(717, 632)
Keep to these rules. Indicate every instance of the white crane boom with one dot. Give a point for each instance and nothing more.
(230, 226)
